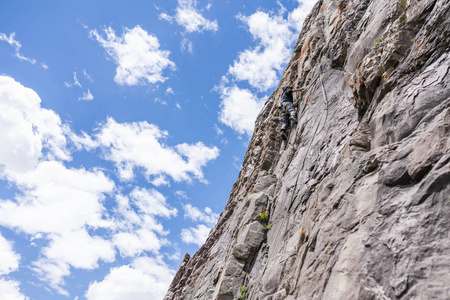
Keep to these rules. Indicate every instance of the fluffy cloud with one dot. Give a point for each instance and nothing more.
(239, 109)
(195, 235)
(137, 54)
(260, 65)
(298, 15)
(9, 290)
(76, 82)
(62, 204)
(54, 202)
(187, 45)
(137, 228)
(31, 132)
(190, 18)
(9, 260)
(132, 145)
(87, 96)
(146, 278)
(195, 214)
(17, 45)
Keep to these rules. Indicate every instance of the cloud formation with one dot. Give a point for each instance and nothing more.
(62, 209)
(9, 262)
(30, 131)
(207, 216)
(87, 96)
(188, 16)
(195, 235)
(10, 289)
(145, 278)
(17, 45)
(239, 109)
(137, 53)
(260, 65)
(141, 145)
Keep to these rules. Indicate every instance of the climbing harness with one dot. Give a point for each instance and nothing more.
(291, 201)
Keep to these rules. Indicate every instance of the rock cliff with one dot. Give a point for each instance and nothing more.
(358, 199)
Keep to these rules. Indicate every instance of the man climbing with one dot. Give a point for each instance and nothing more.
(287, 110)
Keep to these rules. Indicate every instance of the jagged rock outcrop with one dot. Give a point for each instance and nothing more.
(359, 196)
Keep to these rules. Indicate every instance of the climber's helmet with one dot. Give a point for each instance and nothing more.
(286, 87)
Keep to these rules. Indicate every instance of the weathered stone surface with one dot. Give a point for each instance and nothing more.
(359, 197)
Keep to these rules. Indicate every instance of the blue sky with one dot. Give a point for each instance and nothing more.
(123, 128)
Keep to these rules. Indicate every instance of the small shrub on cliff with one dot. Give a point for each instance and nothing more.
(264, 217)
(268, 227)
(243, 291)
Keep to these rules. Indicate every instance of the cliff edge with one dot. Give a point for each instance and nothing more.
(357, 201)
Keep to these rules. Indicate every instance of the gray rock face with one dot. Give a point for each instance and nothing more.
(359, 195)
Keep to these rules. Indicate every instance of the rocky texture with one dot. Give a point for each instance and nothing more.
(359, 196)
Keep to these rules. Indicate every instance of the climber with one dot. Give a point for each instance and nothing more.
(287, 110)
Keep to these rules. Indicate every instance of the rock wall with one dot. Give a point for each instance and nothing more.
(358, 199)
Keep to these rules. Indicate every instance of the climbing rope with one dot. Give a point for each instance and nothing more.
(291, 201)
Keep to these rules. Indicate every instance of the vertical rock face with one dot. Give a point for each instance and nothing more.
(358, 198)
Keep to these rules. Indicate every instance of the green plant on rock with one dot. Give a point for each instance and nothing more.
(268, 227)
(380, 40)
(243, 291)
(264, 217)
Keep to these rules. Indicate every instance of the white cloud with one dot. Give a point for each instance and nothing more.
(87, 96)
(175, 256)
(187, 46)
(178, 105)
(237, 163)
(9, 290)
(64, 220)
(160, 180)
(169, 91)
(76, 82)
(133, 145)
(162, 102)
(194, 235)
(83, 141)
(298, 15)
(239, 109)
(137, 54)
(137, 229)
(164, 16)
(195, 214)
(88, 76)
(62, 208)
(151, 202)
(146, 278)
(44, 66)
(9, 260)
(259, 66)
(218, 130)
(17, 45)
(131, 244)
(29, 133)
(181, 195)
(188, 16)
